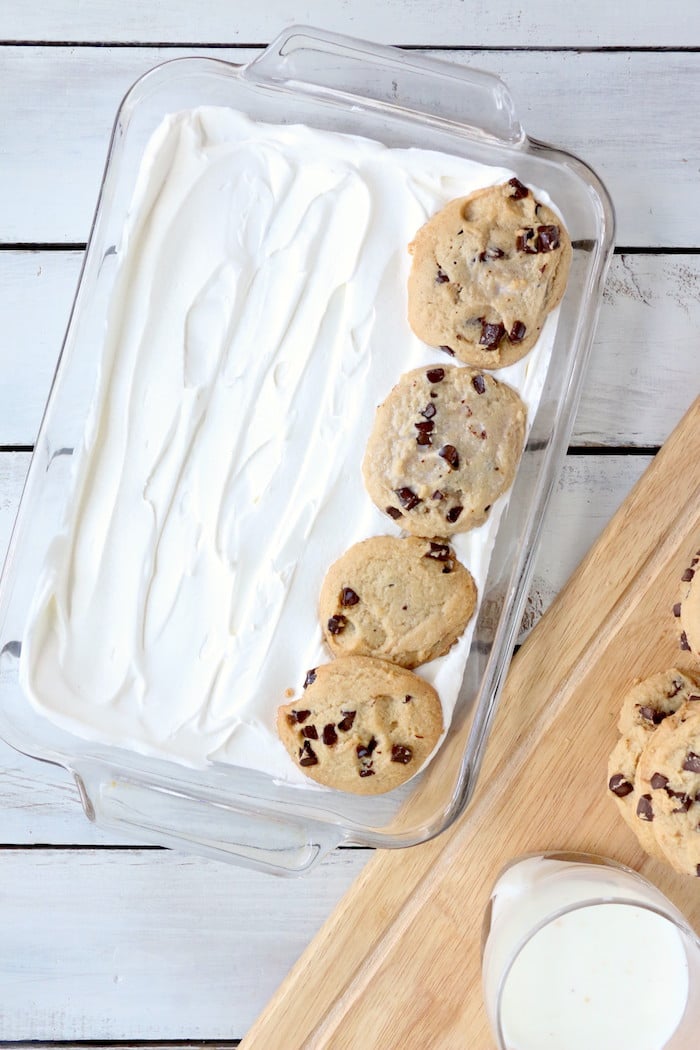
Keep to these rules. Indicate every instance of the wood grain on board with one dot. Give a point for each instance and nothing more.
(398, 963)
(599, 105)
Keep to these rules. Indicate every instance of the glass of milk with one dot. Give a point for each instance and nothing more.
(580, 953)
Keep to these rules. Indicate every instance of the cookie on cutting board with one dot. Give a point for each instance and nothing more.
(645, 708)
(669, 774)
(688, 608)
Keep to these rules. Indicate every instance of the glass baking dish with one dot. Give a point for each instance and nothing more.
(400, 99)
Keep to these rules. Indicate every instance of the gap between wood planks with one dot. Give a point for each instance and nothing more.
(120, 847)
(80, 246)
(250, 45)
(121, 1044)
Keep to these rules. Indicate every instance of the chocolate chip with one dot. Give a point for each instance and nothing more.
(365, 750)
(676, 687)
(310, 677)
(424, 431)
(652, 714)
(310, 732)
(346, 722)
(429, 411)
(448, 350)
(401, 753)
(686, 802)
(644, 808)
(697, 870)
(337, 624)
(658, 781)
(688, 575)
(547, 238)
(450, 454)
(308, 755)
(408, 498)
(692, 762)
(677, 609)
(491, 335)
(367, 772)
(684, 642)
(407, 699)
(441, 277)
(439, 552)
(438, 495)
(520, 191)
(517, 332)
(330, 736)
(453, 513)
(522, 239)
(692, 697)
(394, 513)
(491, 253)
(479, 384)
(435, 375)
(297, 716)
(348, 597)
(619, 786)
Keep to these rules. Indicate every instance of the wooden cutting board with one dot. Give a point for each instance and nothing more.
(397, 965)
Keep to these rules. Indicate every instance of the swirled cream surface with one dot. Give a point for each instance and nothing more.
(258, 318)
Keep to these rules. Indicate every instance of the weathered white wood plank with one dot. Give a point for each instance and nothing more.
(447, 22)
(36, 293)
(39, 803)
(150, 945)
(623, 112)
(644, 369)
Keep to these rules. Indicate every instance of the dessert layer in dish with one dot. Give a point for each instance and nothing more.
(258, 318)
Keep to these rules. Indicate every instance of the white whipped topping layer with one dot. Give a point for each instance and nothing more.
(258, 318)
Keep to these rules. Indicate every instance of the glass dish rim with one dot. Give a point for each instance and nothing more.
(468, 768)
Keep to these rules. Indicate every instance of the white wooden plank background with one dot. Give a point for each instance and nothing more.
(605, 106)
(597, 23)
(105, 943)
(132, 933)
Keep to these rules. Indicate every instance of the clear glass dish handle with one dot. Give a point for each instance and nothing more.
(301, 56)
(148, 813)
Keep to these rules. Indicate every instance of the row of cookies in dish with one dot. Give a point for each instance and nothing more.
(654, 769)
(445, 445)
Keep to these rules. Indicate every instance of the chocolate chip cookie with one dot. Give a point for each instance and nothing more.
(486, 271)
(668, 776)
(362, 725)
(403, 600)
(688, 608)
(444, 446)
(644, 708)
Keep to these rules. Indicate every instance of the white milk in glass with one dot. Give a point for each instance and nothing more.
(604, 971)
